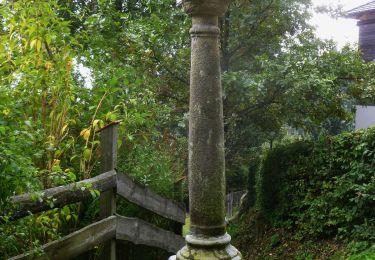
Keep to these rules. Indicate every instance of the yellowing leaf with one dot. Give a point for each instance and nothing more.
(25, 43)
(68, 65)
(58, 153)
(63, 128)
(95, 122)
(6, 111)
(38, 45)
(108, 115)
(85, 133)
(55, 162)
(48, 66)
(32, 43)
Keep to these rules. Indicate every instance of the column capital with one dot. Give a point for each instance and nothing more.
(205, 7)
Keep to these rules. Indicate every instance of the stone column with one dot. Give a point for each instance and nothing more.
(207, 238)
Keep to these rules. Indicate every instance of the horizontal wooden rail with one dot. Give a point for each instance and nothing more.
(62, 195)
(140, 232)
(75, 192)
(76, 243)
(144, 197)
(111, 227)
(122, 228)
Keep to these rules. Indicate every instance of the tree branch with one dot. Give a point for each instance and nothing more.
(261, 18)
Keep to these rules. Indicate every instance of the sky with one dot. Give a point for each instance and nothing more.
(341, 30)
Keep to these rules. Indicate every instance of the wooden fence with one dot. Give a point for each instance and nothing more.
(111, 227)
(232, 202)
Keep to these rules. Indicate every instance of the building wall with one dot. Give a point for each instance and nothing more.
(367, 39)
(364, 117)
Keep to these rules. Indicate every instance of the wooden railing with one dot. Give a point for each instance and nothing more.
(232, 202)
(112, 227)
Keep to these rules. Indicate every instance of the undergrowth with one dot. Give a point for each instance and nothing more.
(313, 193)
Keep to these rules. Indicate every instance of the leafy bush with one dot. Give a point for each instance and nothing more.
(273, 175)
(322, 189)
(49, 115)
(365, 255)
(17, 172)
(251, 190)
(236, 177)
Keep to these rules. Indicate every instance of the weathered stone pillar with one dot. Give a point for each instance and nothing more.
(207, 238)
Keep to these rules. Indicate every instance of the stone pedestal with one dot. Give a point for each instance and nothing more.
(207, 238)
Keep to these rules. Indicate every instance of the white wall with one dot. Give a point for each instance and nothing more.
(364, 117)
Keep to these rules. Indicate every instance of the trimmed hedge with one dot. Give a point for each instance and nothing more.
(323, 189)
(274, 175)
(251, 183)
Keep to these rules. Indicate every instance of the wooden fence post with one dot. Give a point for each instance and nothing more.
(108, 142)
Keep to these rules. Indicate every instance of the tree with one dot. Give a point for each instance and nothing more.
(253, 28)
(277, 74)
(274, 69)
(49, 115)
(309, 83)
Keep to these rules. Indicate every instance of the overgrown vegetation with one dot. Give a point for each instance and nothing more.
(321, 190)
(49, 112)
(69, 67)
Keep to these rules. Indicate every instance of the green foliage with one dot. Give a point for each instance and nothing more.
(49, 112)
(292, 78)
(251, 183)
(322, 189)
(233, 228)
(309, 85)
(275, 240)
(36, 81)
(272, 175)
(17, 172)
(137, 57)
(364, 255)
(304, 256)
(236, 177)
(30, 233)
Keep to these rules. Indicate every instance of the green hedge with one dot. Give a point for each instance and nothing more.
(323, 189)
(274, 176)
(251, 183)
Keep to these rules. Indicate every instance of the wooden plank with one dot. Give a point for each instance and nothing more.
(142, 196)
(78, 242)
(108, 147)
(108, 143)
(138, 232)
(62, 195)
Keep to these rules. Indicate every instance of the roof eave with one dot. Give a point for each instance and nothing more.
(356, 15)
(352, 16)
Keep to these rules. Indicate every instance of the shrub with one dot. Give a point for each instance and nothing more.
(322, 189)
(251, 190)
(273, 175)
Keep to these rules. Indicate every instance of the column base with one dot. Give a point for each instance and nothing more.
(207, 248)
